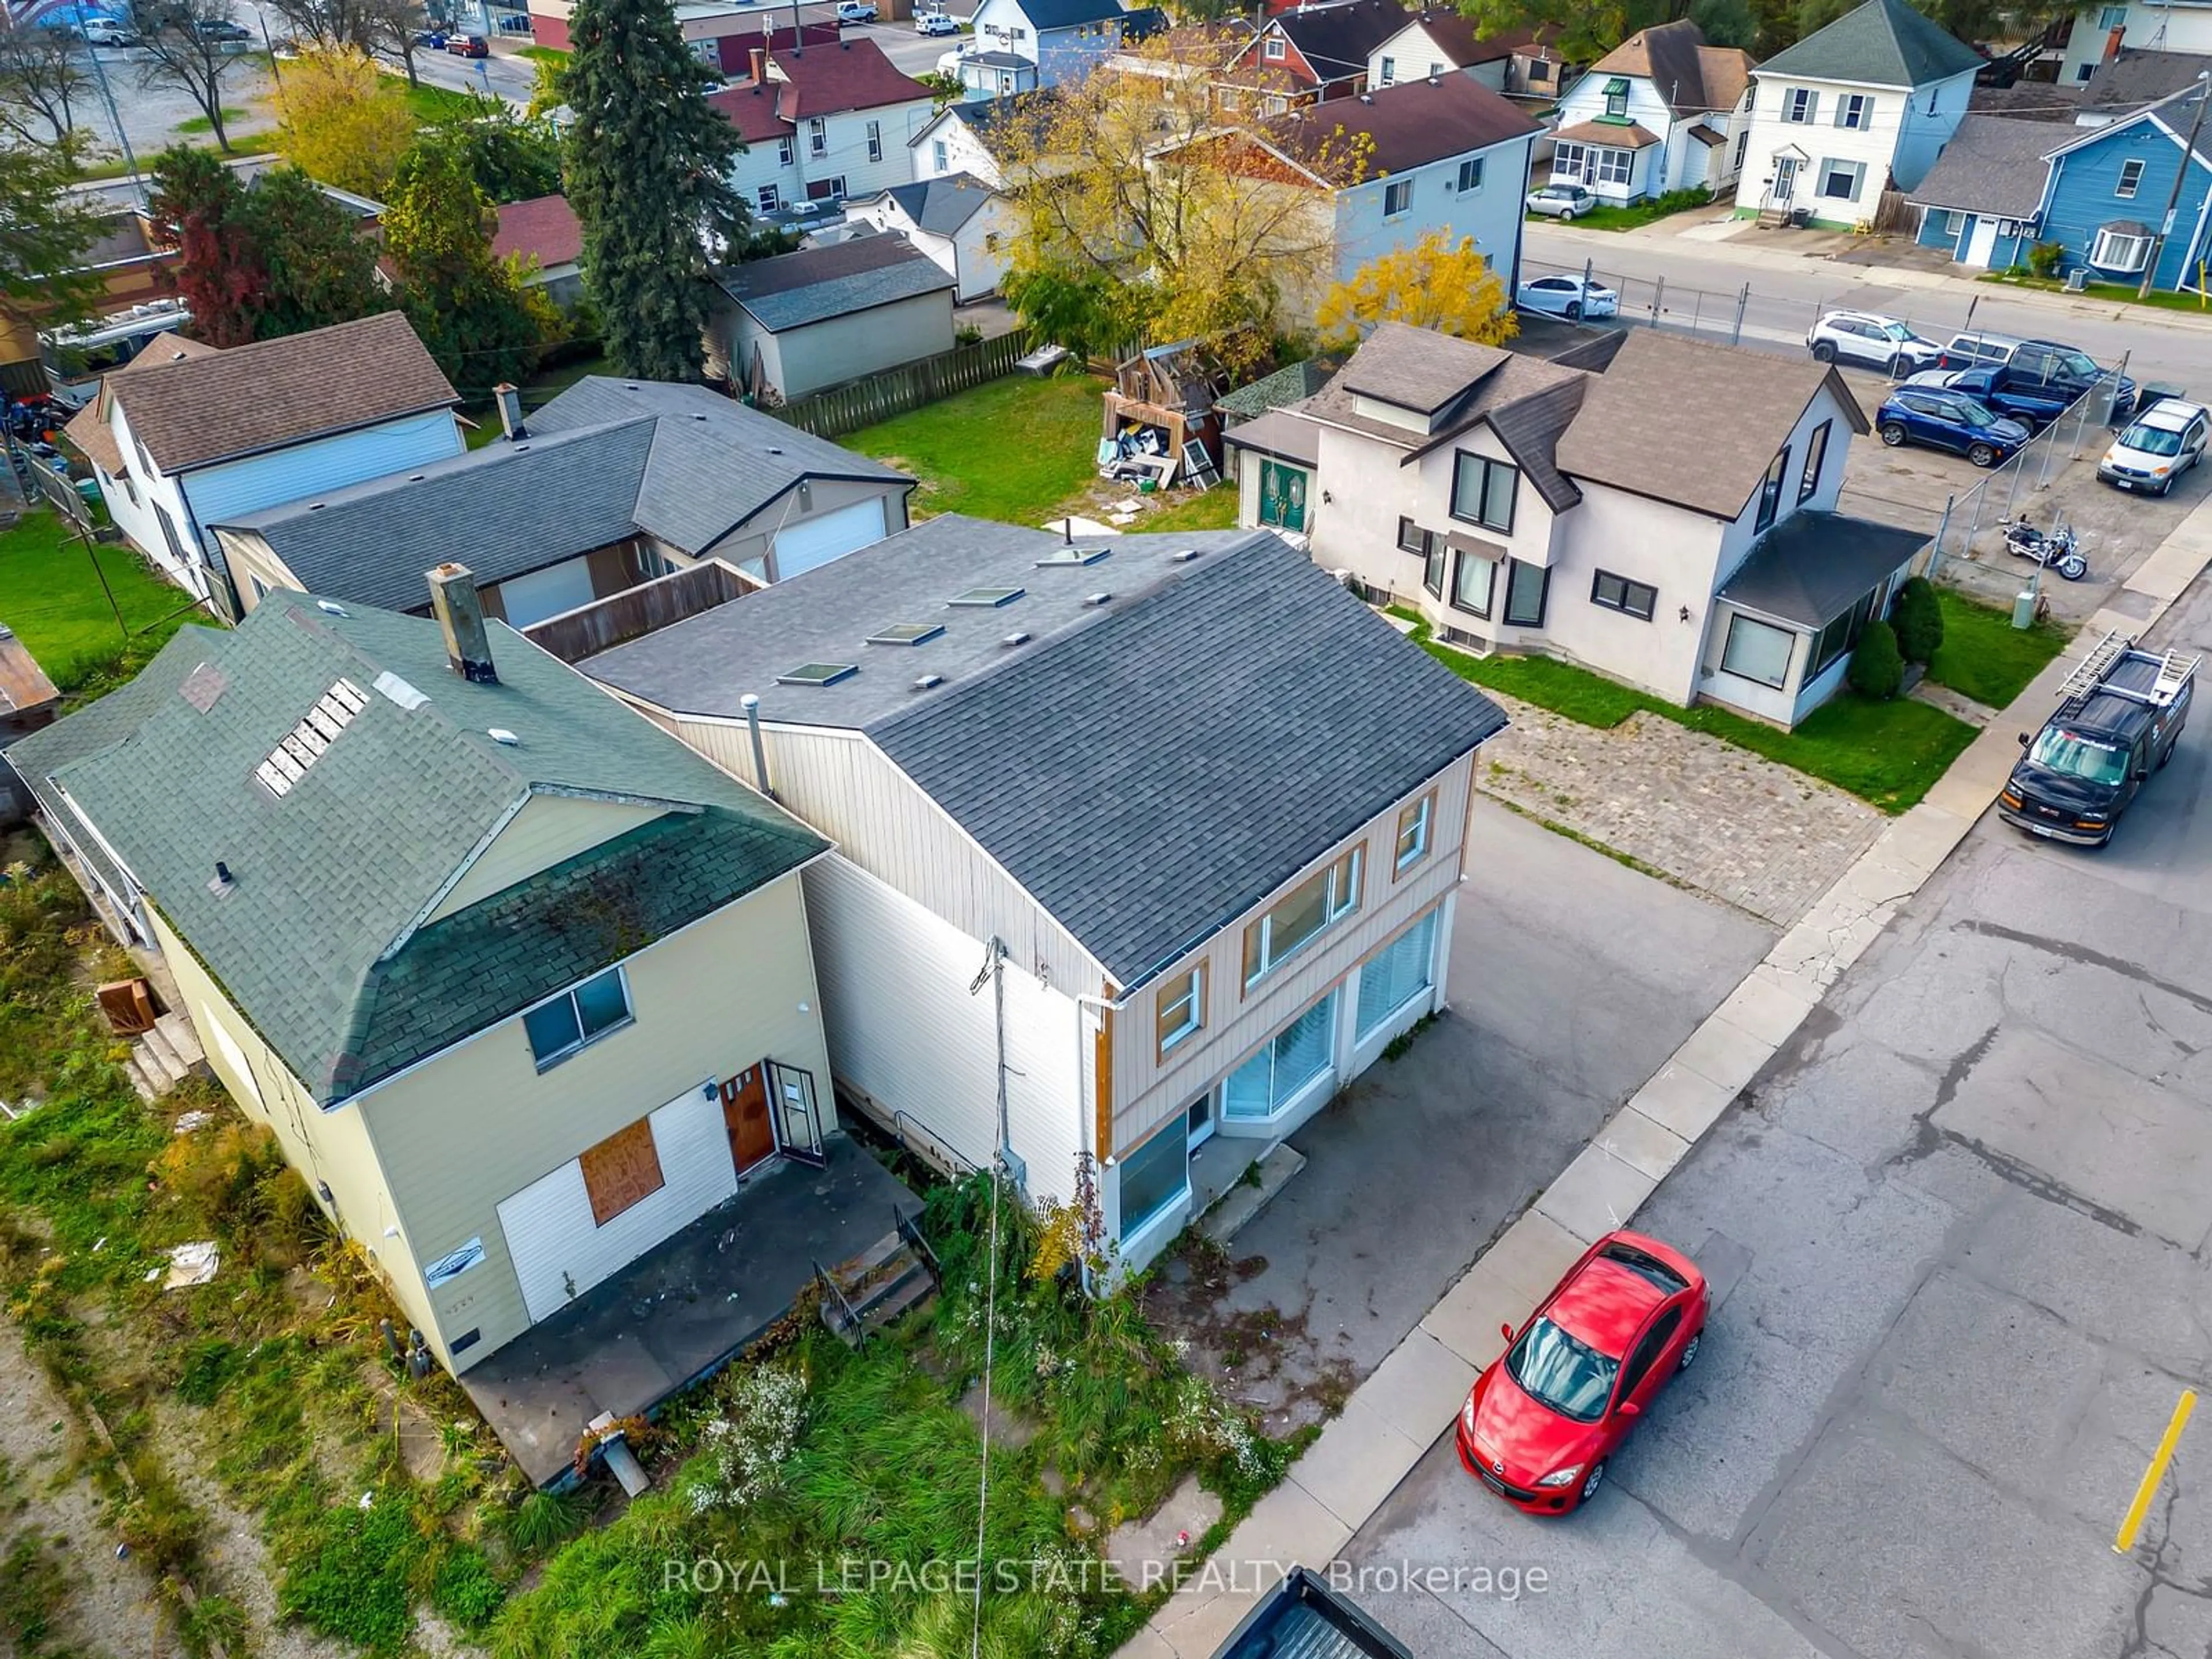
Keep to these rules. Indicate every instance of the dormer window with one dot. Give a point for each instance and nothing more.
(1616, 98)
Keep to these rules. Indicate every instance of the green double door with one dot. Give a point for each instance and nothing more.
(1282, 496)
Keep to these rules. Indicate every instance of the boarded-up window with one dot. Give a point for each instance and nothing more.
(621, 1169)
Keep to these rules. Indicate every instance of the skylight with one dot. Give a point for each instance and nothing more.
(304, 744)
(1072, 555)
(988, 597)
(906, 634)
(817, 673)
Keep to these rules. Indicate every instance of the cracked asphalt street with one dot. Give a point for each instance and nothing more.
(1957, 1236)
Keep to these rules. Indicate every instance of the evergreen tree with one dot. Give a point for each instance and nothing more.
(648, 168)
(199, 205)
(465, 302)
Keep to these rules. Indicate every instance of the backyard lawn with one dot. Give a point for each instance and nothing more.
(50, 596)
(1886, 753)
(1984, 657)
(1013, 449)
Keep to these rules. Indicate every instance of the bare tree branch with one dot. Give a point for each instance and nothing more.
(42, 77)
(194, 45)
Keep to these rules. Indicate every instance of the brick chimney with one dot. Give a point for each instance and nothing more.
(2113, 42)
(760, 65)
(460, 610)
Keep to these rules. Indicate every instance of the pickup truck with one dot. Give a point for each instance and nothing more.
(2044, 370)
(2034, 406)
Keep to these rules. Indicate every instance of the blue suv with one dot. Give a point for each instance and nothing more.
(1940, 419)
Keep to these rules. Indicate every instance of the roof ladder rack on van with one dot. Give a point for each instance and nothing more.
(2089, 673)
(2174, 671)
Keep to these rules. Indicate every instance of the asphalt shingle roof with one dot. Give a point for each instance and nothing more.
(545, 228)
(1992, 165)
(1284, 386)
(1409, 124)
(1689, 76)
(941, 205)
(792, 290)
(1813, 567)
(852, 75)
(310, 938)
(603, 461)
(1068, 13)
(1337, 39)
(1883, 42)
(2138, 77)
(1183, 716)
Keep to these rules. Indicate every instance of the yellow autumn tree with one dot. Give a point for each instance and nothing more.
(342, 120)
(1437, 283)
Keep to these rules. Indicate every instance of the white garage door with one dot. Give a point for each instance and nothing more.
(559, 1251)
(546, 592)
(831, 536)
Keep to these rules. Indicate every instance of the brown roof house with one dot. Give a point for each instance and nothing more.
(1661, 112)
(186, 435)
(1522, 505)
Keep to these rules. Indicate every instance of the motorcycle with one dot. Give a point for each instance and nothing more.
(2057, 549)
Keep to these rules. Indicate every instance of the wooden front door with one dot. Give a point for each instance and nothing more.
(744, 1114)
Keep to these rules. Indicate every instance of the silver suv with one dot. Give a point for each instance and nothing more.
(1870, 340)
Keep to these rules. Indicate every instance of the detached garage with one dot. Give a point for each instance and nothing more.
(804, 322)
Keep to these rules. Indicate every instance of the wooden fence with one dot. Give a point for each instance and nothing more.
(605, 624)
(901, 391)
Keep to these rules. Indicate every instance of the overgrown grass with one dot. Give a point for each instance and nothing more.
(1211, 509)
(51, 596)
(1984, 657)
(542, 54)
(1639, 213)
(432, 103)
(1888, 754)
(231, 118)
(1013, 448)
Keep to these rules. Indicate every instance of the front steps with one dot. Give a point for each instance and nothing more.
(164, 1057)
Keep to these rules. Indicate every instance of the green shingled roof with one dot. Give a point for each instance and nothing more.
(1884, 43)
(1284, 386)
(318, 938)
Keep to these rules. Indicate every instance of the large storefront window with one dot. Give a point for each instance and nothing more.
(1395, 975)
(1301, 1052)
(1155, 1176)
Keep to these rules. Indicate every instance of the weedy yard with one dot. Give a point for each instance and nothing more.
(283, 1490)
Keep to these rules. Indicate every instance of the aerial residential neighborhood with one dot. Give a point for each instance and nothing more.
(1050, 828)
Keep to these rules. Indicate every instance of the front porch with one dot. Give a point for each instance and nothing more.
(682, 1310)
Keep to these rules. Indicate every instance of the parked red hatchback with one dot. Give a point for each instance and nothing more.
(1541, 1422)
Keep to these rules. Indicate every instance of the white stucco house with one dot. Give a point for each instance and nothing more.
(1026, 44)
(1654, 114)
(823, 123)
(823, 317)
(931, 704)
(1852, 110)
(955, 219)
(184, 435)
(1523, 506)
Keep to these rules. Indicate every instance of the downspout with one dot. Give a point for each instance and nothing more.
(1085, 1140)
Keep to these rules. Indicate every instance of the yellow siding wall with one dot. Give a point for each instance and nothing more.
(1147, 1091)
(249, 556)
(479, 1124)
(327, 1147)
(548, 828)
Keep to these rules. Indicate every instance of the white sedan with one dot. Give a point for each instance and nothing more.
(1570, 297)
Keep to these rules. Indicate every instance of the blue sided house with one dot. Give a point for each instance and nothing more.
(2099, 193)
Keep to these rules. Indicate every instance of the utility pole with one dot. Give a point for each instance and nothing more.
(115, 120)
(2173, 196)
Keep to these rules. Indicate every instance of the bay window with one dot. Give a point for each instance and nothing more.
(1758, 651)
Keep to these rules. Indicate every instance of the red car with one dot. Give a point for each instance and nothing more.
(468, 46)
(1541, 1422)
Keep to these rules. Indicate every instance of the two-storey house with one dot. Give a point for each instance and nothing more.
(1524, 506)
(2104, 196)
(1027, 43)
(823, 123)
(2166, 27)
(520, 985)
(1120, 833)
(1653, 115)
(1437, 42)
(1862, 106)
(184, 434)
(1313, 54)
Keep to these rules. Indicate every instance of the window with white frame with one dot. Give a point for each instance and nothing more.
(1616, 98)
(2125, 248)
(1180, 1008)
(818, 136)
(783, 152)
(1397, 197)
(1855, 111)
(1401, 971)
(2131, 172)
(1567, 163)
(1302, 1051)
(2112, 17)
(1758, 651)
(1274, 49)
(770, 198)
(1840, 180)
(1474, 579)
(1470, 174)
(1154, 1177)
(875, 140)
(1800, 104)
(579, 1016)
(939, 158)
(1414, 826)
(1389, 71)
(1614, 167)
(1302, 915)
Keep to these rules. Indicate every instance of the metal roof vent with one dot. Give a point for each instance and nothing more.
(1097, 599)
(986, 599)
(929, 681)
(1183, 558)
(329, 607)
(818, 673)
(1019, 636)
(906, 634)
(501, 736)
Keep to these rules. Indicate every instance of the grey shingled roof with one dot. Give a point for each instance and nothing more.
(815, 285)
(1883, 42)
(310, 940)
(1417, 368)
(1167, 718)
(1993, 165)
(941, 205)
(2137, 76)
(1068, 13)
(1813, 567)
(603, 461)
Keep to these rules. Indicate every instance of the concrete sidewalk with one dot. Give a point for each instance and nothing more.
(1393, 1418)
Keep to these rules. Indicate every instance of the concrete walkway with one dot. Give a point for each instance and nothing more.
(1393, 1418)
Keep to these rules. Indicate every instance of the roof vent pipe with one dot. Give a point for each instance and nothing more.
(458, 608)
(751, 704)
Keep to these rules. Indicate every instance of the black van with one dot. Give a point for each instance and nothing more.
(2122, 713)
